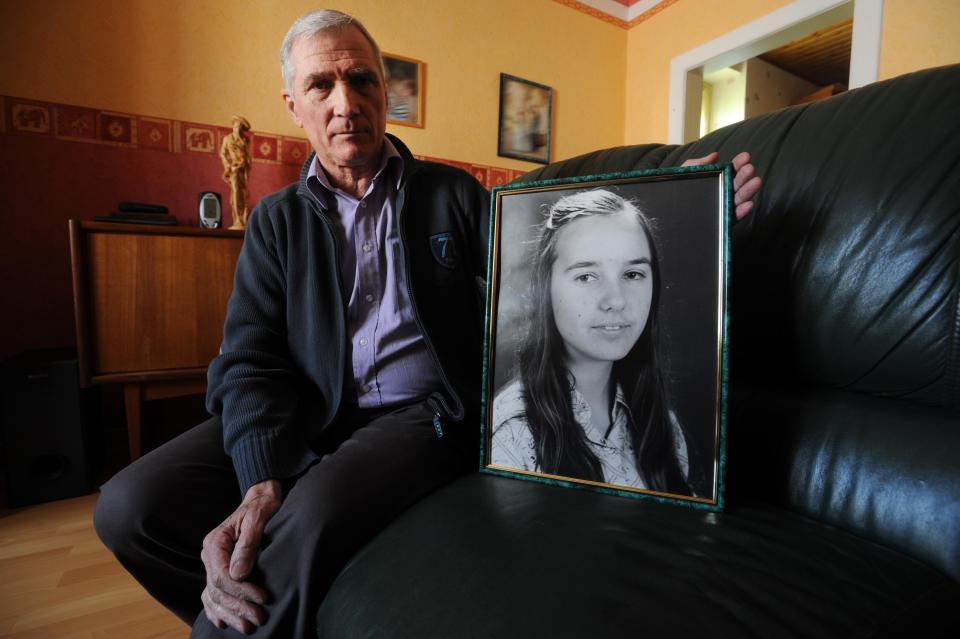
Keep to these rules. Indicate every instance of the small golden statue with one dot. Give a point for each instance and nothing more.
(236, 169)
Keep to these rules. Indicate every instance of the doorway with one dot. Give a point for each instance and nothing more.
(804, 51)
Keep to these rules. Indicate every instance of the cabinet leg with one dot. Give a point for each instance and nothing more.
(132, 398)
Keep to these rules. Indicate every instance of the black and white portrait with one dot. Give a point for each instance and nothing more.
(606, 333)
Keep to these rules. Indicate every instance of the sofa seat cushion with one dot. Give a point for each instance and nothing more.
(495, 557)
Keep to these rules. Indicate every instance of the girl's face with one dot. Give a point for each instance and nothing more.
(601, 285)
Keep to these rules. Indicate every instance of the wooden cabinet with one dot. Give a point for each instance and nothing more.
(149, 303)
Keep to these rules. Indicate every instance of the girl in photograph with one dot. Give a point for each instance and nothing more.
(589, 401)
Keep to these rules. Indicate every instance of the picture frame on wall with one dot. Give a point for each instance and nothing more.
(605, 355)
(526, 110)
(405, 80)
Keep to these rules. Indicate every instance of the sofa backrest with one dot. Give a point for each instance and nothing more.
(845, 308)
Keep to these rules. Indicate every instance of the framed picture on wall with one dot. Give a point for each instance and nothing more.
(525, 119)
(405, 86)
(605, 350)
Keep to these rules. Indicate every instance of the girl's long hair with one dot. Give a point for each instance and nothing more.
(561, 444)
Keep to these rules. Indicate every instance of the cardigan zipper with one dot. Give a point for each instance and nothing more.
(337, 251)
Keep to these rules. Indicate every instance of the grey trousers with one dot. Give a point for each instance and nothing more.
(154, 514)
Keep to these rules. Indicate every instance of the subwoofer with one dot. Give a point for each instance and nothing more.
(45, 443)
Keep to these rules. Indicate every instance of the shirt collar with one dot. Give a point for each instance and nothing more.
(390, 159)
(581, 412)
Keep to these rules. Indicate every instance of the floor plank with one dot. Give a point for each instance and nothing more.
(58, 581)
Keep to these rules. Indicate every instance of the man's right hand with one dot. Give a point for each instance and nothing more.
(229, 554)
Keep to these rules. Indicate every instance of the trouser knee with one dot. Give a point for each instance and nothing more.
(120, 511)
(114, 518)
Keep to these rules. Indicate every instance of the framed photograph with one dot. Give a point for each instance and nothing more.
(405, 87)
(525, 112)
(605, 351)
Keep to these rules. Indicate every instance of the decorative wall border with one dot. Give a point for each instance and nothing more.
(70, 123)
(596, 13)
(652, 11)
(614, 20)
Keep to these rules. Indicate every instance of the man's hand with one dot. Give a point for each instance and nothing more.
(229, 553)
(745, 183)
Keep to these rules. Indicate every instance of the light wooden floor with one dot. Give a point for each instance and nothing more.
(57, 581)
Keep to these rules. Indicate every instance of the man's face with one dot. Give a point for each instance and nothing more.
(338, 98)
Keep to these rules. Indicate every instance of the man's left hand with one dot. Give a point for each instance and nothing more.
(228, 555)
(745, 183)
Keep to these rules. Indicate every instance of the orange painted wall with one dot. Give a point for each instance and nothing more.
(198, 62)
(205, 60)
(916, 34)
(652, 44)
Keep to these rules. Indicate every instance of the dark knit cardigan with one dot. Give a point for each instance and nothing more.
(278, 381)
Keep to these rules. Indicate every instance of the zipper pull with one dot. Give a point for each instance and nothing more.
(438, 425)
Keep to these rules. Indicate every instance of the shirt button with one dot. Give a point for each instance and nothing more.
(365, 388)
(367, 247)
(363, 341)
(363, 205)
(369, 298)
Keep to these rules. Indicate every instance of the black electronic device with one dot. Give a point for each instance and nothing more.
(138, 218)
(208, 203)
(45, 440)
(142, 207)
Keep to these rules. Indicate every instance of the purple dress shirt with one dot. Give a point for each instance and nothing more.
(388, 360)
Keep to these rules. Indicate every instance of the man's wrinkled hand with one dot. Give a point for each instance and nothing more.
(229, 554)
(745, 183)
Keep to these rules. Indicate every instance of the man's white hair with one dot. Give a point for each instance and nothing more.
(309, 25)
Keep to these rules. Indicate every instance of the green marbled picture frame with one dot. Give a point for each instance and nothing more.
(606, 333)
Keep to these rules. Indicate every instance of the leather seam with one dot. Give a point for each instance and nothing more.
(952, 386)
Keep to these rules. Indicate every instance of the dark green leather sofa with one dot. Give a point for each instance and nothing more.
(843, 500)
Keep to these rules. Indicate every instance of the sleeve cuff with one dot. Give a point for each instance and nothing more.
(257, 459)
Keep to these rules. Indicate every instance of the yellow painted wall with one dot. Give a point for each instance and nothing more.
(205, 60)
(652, 44)
(918, 34)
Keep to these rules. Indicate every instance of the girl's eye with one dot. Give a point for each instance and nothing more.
(635, 275)
(585, 277)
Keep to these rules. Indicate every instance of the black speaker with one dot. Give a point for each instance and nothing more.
(45, 441)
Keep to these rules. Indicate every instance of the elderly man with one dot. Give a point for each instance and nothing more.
(348, 384)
